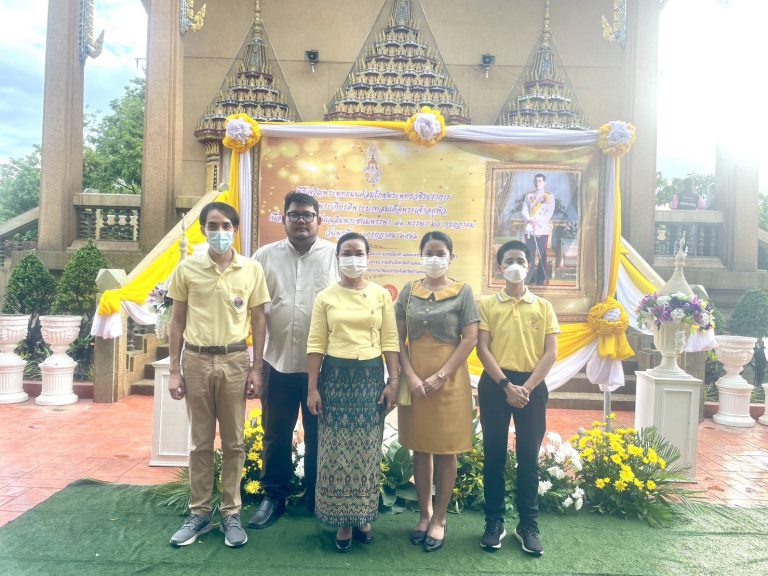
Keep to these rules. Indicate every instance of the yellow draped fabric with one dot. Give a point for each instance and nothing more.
(643, 284)
(158, 271)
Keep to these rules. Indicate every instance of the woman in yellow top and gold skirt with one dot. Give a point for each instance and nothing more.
(353, 324)
(437, 323)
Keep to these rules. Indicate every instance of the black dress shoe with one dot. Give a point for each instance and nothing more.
(269, 510)
(366, 537)
(418, 536)
(433, 544)
(343, 545)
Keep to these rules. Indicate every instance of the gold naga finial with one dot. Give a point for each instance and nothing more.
(88, 46)
(616, 31)
(191, 19)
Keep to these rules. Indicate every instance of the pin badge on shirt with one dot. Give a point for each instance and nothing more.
(237, 301)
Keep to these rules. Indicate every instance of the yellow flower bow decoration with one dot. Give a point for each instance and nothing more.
(426, 127)
(243, 133)
(616, 138)
(610, 321)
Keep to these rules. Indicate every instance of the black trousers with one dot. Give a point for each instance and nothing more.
(530, 426)
(282, 396)
(537, 245)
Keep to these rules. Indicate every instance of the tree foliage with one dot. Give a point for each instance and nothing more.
(30, 290)
(76, 291)
(750, 315)
(114, 148)
(666, 188)
(762, 202)
(19, 185)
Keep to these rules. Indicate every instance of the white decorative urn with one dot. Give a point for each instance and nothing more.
(670, 341)
(13, 328)
(764, 418)
(734, 391)
(58, 369)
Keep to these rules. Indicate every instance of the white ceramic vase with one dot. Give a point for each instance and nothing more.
(13, 328)
(733, 390)
(58, 369)
(670, 341)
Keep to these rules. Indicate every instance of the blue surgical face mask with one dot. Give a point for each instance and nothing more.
(220, 241)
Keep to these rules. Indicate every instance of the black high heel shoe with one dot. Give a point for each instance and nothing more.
(362, 536)
(434, 544)
(343, 545)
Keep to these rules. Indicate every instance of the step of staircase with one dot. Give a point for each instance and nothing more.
(144, 387)
(589, 401)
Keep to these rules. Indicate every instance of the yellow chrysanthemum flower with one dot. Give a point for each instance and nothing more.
(651, 485)
(620, 485)
(653, 457)
(637, 482)
(252, 487)
(662, 463)
(626, 474)
(600, 483)
(635, 450)
(616, 459)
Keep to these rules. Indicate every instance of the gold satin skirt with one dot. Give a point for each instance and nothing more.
(442, 422)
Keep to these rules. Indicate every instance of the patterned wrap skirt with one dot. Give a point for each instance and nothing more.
(350, 432)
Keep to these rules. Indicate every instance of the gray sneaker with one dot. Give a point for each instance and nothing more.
(193, 527)
(234, 535)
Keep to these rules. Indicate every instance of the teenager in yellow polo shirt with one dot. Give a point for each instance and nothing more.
(517, 344)
(214, 295)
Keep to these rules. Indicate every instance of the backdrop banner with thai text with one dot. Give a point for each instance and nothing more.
(394, 192)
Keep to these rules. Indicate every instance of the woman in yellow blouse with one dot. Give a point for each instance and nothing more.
(353, 323)
(437, 321)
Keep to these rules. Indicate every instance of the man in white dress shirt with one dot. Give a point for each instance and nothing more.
(296, 269)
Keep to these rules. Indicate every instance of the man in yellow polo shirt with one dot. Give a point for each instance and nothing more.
(517, 344)
(213, 296)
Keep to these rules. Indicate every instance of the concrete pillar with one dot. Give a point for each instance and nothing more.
(163, 132)
(62, 151)
(638, 183)
(109, 356)
(736, 193)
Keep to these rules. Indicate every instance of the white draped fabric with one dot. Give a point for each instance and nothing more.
(246, 203)
(566, 368)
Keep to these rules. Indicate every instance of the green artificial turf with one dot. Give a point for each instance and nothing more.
(106, 529)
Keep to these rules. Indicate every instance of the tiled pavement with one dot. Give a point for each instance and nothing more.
(42, 449)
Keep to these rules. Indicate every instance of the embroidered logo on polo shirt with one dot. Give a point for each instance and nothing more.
(238, 302)
(533, 324)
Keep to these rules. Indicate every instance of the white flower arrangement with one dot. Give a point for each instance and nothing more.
(558, 486)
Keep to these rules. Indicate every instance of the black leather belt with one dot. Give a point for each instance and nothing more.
(216, 350)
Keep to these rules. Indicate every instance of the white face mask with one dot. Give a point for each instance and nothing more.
(515, 273)
(220, 241)
(353, 266)
(434, 266)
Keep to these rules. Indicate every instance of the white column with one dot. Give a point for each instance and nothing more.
(672, 406)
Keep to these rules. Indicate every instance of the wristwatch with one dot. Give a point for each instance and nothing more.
(441, 374)
(504, 382)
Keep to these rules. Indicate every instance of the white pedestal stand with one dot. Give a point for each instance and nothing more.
(171, 440)
(58, 369)
(13, 328)
(671, 404)
(733, 390)
(764, 418)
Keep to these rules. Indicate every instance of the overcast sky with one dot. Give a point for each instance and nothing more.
(691, 99)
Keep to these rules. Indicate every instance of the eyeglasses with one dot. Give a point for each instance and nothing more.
(305, 216)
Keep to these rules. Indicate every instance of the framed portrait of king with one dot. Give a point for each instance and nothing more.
(553, 209)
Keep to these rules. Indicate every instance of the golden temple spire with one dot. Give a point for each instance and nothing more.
(398, 70)
(543, 97)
